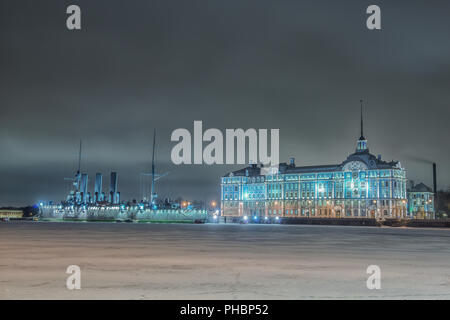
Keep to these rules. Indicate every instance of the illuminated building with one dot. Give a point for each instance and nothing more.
(362, 186)
(421, 202)
(10, 214)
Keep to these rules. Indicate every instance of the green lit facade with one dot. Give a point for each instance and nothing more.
(421, 202)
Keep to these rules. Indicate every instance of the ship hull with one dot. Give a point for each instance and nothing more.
(117, 214)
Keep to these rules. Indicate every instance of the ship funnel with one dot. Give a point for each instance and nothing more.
(98, 187)
(84, 187)
(113, 188)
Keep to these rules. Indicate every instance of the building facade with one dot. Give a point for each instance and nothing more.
(11, 214)
(421, 202)
(362, 186)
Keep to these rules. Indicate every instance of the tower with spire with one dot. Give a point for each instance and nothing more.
(362, 142)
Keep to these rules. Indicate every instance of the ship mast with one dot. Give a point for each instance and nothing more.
(78, 176)
(153, 195)
(79, 158)
(155, 176)
(76, 181)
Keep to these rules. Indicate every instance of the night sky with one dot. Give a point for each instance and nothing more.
(300, 66)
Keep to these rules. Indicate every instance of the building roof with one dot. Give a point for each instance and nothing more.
(252, 170)
(421, 187)
(370, 160)
(285, 168)
(362, 154)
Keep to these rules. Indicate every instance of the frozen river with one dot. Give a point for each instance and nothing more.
(176, 261)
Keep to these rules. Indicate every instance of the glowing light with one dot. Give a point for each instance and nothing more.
(277, 218)
(215, 217)
(265, 218)
(245, 218)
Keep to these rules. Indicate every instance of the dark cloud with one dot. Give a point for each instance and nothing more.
(300, 66)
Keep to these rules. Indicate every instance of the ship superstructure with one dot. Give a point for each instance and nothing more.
(80, 204)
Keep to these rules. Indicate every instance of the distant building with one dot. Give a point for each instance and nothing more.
(421, 202)
(10, 214)
(361, 186)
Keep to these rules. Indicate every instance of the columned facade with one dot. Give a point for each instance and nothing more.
(363, 186)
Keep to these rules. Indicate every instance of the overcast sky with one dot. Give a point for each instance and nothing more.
(300, 66)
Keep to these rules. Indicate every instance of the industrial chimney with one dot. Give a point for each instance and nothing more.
(434, 179)
(435, 189)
